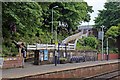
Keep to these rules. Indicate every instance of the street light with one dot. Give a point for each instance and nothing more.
(108, 48)
(55, 52)
(52, 23)
(102, 41)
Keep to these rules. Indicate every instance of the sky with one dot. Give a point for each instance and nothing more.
(97, 5)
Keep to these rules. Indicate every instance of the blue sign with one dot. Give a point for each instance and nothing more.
(45, 54)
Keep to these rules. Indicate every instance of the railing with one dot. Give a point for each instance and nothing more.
(62, 46)
(50, 47)
(72, 37)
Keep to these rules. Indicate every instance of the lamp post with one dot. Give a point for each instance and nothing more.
(55, 52)
(108, 48)
(52, 24)
(102, 42)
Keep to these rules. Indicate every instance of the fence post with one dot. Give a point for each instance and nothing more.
(65, 50)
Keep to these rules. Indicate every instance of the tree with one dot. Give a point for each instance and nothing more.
(74, 13)
(114, 32)
(71, 13)
(31, 21)
(109, 16)
(25, 17)
(91, 41)
(20, 21)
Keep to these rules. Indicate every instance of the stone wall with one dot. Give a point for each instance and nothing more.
(86, 54)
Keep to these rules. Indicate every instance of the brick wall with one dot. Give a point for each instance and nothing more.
(12, 62)
(79, 72)
(111, 56)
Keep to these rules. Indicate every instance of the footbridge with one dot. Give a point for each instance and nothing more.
(64, 45)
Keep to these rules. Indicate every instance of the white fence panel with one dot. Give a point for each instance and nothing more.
(50, 47)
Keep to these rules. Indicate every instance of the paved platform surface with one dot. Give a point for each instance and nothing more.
(30, 69)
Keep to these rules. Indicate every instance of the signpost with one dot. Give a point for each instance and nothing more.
(100, 33)
(101, 37)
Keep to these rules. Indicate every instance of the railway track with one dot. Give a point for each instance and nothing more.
(114, 75)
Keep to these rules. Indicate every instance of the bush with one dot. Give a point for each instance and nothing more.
(9, 51)
(87, 43)
(63, 60)
(91, 41)
(114, 50)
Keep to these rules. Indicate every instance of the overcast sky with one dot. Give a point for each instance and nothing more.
(97, 5)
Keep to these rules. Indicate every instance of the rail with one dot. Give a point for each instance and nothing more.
(50, 47)
(105, 76)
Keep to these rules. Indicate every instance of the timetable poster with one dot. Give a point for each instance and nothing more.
(45, 54)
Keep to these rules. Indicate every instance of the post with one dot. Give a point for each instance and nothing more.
(102, 42)
(107, 49)
(65, 50)
(55, 57)
(56, 42)
(52, 27)
(52, 24)
(20, 54)
(58, 53)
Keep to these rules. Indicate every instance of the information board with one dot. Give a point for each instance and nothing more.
(45, 54)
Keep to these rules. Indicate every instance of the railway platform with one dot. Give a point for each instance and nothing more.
(80, 68)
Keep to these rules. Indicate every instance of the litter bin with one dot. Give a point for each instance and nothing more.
(36, 57)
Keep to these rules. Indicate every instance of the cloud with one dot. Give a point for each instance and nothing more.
(97, 5)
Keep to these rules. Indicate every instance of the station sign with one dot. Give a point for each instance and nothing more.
(100, 33)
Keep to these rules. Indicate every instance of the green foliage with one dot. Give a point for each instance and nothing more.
(80, 47)
(63, 60)
(27, 19)
(9, 50)
(76, 12)
(70, 12)
(113, 31)
(113, 50)
(109, 16)
(30, 22)
(87, 43)
(91, 41)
